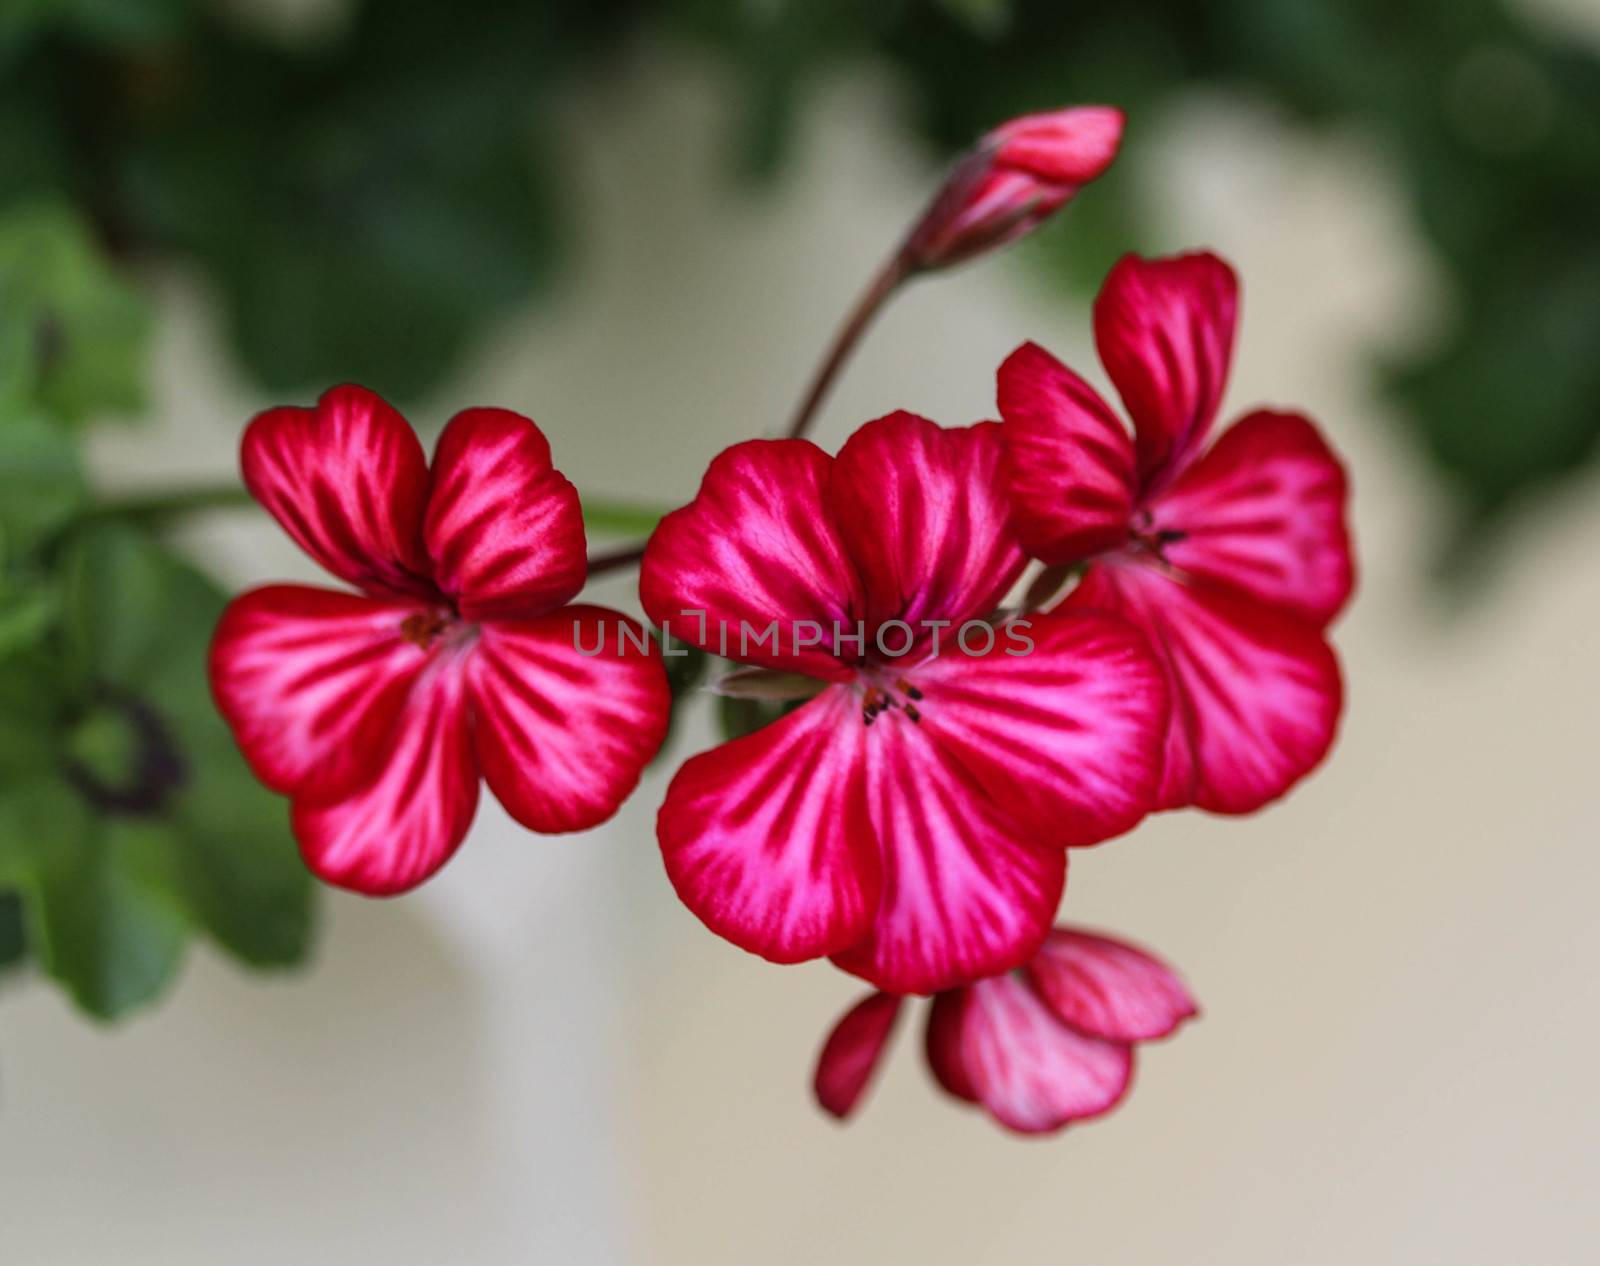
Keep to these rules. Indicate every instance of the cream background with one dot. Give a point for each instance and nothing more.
(543, 1057)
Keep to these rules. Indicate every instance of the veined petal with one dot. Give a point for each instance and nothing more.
(1071, 146)
(348, 481)
(1264, 514)
(768, 838)
(923, 513)
(1107, 988)
(1069, 465)
(967, 891)
(568, 709)
(407, 822)
(1065, 729)
(1031, 1072)
(757, 547)
(312, 682)
(1256, 694)
(503, 527)
(1164, 328)
(852, 1052)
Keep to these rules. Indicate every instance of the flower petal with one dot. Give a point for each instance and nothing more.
(1256, 694)
(1071, 146)
(768, 838)
(1109, 989)
(941, 1041)
(851, 1054)
(407, 822)
(1065, 729)
(1031, 1072)
(1264, 513)
(503, 527)
(922, 511)
(348, 481)
(312, 681)
(568, 709)
(1068, 460)
(967, 892)
(1164, 328)
(757, 547)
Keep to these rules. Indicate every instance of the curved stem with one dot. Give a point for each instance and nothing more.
(611, 560)
(883, 284)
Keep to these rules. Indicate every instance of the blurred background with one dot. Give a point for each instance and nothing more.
(637, 222)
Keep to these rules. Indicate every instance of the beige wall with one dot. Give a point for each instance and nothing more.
(542, 1057)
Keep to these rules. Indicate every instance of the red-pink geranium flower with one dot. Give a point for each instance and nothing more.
(1036, 1048)
(1233, 559)
(910, 818)
(1015, 179)
(377, 711)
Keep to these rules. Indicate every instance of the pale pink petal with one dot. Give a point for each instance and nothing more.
(1256, 694)
(1068, 460)
(768, 838)
(1062, 721)
(853, 1051)
(1264, 513)
(1164, 328)
(312, 682)
(756, 550)
(922, 511)
(1107, 988)
(1031, 1072)
(407, 822)
(967, 891)
(348, 481)
(503, 527)
(568, 709)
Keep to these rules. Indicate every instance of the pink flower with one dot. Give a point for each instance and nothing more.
(378, 711)
(1233, 559)
(1036, 1048)
(1016, 178)
(910, 818)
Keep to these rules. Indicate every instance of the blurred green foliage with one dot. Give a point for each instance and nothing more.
(366, 199)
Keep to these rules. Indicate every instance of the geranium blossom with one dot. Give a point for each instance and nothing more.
(1016, 178)
(1233, 559)
(910, 819)
(378, 711)
(1036, 1048)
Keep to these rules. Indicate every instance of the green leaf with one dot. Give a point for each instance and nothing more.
(13, 940)
(31, 717)
(987, 17)
(73, 332)
(41, 482)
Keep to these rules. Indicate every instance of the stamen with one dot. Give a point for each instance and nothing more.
(421, 628)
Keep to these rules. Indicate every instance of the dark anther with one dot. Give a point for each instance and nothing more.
(911, 711)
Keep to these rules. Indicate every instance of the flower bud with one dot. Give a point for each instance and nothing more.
(1012, 181)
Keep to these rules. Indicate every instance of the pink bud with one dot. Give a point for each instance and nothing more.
(1018, 176)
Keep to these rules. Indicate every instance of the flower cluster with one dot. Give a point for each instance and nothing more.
(908, 810)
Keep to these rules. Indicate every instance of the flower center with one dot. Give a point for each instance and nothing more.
(423, 628)
(882, 696)
(1145, 535)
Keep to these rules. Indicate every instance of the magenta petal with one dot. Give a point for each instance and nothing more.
(1068, 736)
(1256, 694)
(407, 822)
(852, 1052)
(1068, 459)
(1031, 1072)
(757, 547)
(923, 513)
(1264, 513)
(1109, 989)
(504, 528)
(348, 481)
(1164, 329)
(967, 891)
(568, 710)
(1071, 146)
(768, 839)
(312, 682)
(942, 1044)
